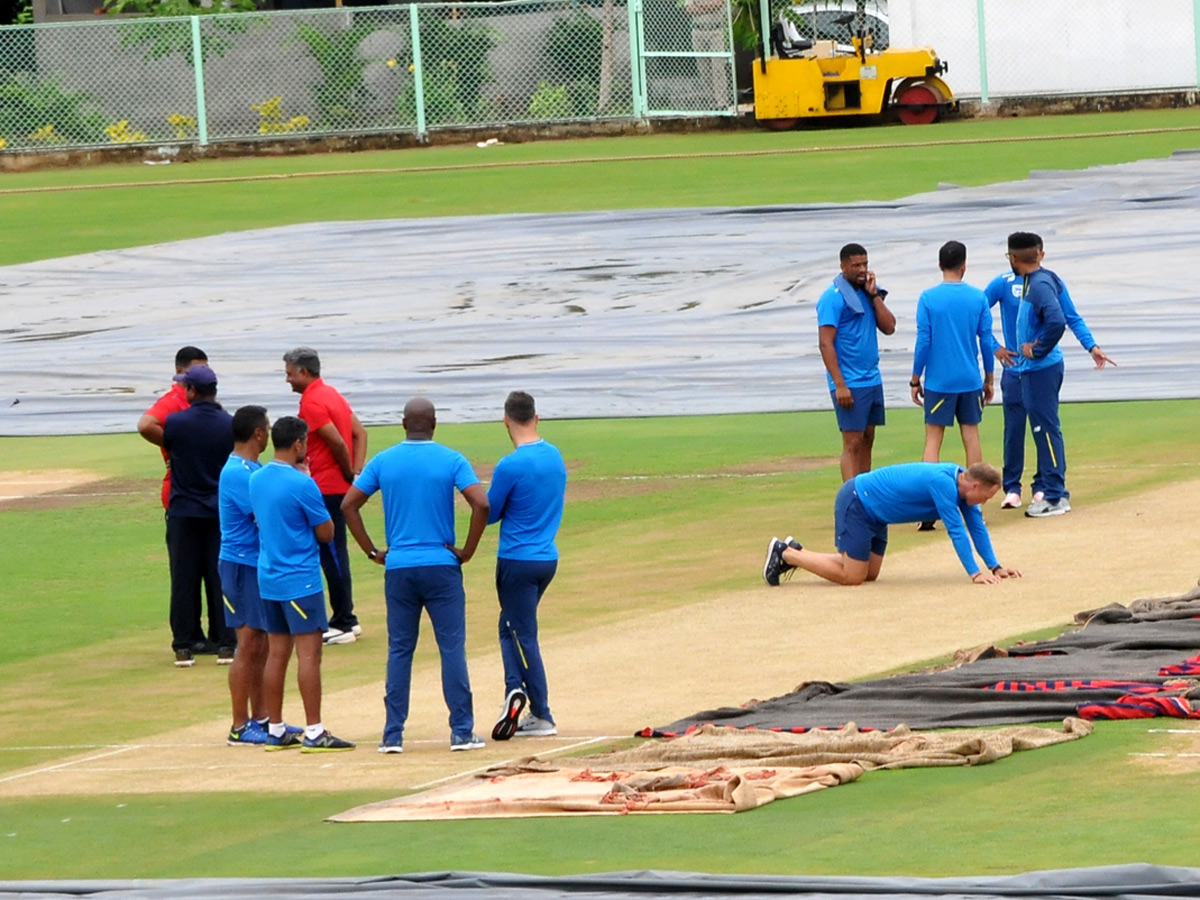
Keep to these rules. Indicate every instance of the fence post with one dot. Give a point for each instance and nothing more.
(1196, 33)
(198, 69)
(981, 27)
(637, 63)
(414, 28)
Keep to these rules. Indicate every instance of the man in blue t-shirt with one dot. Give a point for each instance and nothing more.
(1007, 290)
(292, 519)
(526, 496)
(848, 314)
(418, 478)
(954, 329)
(910, 492)
(238, 565)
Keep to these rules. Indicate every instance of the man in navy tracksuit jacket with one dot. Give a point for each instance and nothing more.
(1040, 325)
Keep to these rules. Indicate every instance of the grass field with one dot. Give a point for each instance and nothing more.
(660, 519)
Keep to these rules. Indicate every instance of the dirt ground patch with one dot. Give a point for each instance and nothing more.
(753, 642)
(59, 488)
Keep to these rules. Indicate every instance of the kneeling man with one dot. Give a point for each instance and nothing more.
(910, 492)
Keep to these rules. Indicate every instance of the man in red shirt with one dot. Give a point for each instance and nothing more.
(337, 451)
(150, 427)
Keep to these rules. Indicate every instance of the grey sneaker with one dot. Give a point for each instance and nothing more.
(470, 741)
(775, 567)
(532, 726)
(324, 743)
(1040, 509)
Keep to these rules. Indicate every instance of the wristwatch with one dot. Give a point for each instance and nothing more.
(374, 554)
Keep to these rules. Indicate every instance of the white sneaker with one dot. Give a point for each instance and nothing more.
(532, 726)
(337, 636)
(1012, 500)
(357, 630)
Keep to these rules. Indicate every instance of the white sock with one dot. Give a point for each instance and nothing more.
(277, 729)
(312, 732)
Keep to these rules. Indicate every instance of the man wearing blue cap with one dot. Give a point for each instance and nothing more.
(198, 440)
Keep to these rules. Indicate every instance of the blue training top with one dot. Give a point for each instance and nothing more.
(954, 323)
(857, 342)
(924, 492)
(1005, 289)
(287, 505)
(418, 480)
(526, 495)
(239, 532)
(1040, 320)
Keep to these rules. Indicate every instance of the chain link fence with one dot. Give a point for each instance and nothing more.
(404, 68)
(416, 67)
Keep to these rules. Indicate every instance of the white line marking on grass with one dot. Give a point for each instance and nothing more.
(476, 771)
(66, 765)
(1173, 731)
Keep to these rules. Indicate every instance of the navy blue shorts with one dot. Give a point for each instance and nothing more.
(855, 532)
(943, 409)
(300, 616)
(243, 605)
(867, 408)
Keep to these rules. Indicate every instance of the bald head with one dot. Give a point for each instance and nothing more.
(419, 417)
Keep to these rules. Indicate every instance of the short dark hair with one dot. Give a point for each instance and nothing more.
(246, 420)
(952, 255)
(520, 408)
(287, 430)
(187, 355)
(1024, 240)
(852, 250)
(304, 358)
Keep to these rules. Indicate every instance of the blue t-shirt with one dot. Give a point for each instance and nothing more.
(287, 505)
(954, 323)
(526, 495)
(418, 480)
(198, 439)
(1005, 289)
(857, 343)
(239, 533)
(925, 492)
(1040, 320)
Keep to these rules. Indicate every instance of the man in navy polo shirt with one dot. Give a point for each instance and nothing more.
(848, 315)
(418, 478)
(526, 497)
(198, 440)
(292, 521)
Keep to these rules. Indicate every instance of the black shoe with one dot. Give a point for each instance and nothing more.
(184, 659)
(225, 656)
(774, 565)
(506, 725)
(927, 526)
(204, 648)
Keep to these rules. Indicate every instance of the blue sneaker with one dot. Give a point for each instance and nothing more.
(248, 735)
(469, 741)
(289, 741)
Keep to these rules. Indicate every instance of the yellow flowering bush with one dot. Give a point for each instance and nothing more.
(182, 125)
(119, 133)
(272, 119)
(46, 135)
